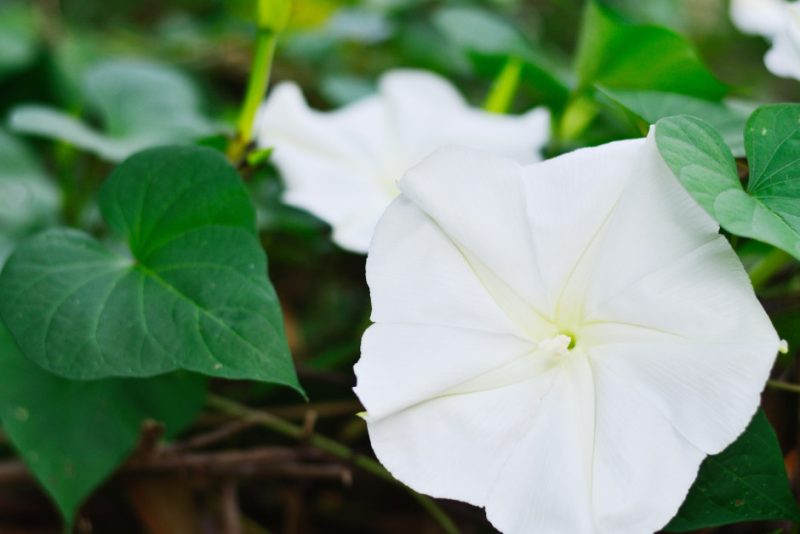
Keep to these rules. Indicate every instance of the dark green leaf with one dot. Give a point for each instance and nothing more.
(190, 293)
(490, 42)
(770, 210)
(745, 482)
(621, 55)
(727, 118)
(73, 435)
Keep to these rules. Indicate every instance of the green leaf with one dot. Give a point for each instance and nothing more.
(190, 293)
(770, 210)
(728, 118)
(18, 37)
(140, 104)
(53, 123)
(479, 30)
(73, 435)
(745, 482)
(29, 201)
(621, 55)
(662, 12)
(699, 158)
(490, 42)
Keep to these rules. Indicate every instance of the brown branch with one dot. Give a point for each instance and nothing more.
(322, 409)
(212, 437)
(13, 471)
(229, 507)
(295, 412)
(265, 462)
(149, 439)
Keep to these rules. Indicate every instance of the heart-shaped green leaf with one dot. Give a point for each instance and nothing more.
(73, 435)
(190, 292)
(745, 482)
(770, 210)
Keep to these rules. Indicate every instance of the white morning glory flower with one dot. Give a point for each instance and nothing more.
(561, 343)
(342, 166)
(779, 22)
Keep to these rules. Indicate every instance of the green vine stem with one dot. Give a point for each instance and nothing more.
(784, 386)
(768, 266)
(272, 17)
(504, 87)
(335, 448)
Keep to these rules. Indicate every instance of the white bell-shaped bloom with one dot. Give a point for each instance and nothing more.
(342, 166)
(561, 343)
(779, 22)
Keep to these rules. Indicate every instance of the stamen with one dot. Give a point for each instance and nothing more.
(558, 345)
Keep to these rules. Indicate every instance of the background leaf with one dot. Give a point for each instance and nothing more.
(702, 162)
(73, 435)
(140, 104)
(745, 482)
(18, 37)
(49, 122)
(29, 201)
(192, 292)
(728, 118)
(621, 55)
(490, 42)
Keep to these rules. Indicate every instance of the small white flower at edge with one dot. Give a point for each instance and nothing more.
(779, 22)
(561, 343)
(343, 165)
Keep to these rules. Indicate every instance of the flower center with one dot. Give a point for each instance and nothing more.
(558, 345)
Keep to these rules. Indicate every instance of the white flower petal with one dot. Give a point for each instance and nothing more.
(544, 484)
(783, 59)
(702, 296)
(692, 331)
(718, 385)
(454, 446)
(343, 165)
(760, 17)
(478, 200)
(440, 290)
(669, 223)
(570, 203)
(428, 113)
(327, 160)
(779, 22)
(636, 450)
(434, 361)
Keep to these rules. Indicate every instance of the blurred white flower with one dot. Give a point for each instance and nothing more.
(561, 343)
(343, 165)
(779, 22)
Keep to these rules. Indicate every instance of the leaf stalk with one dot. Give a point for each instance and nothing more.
(271, 16)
